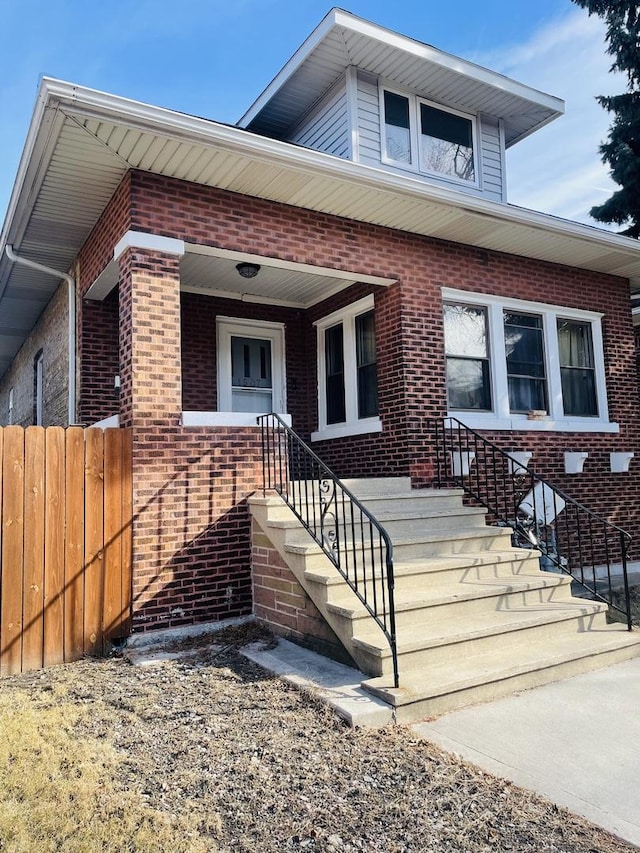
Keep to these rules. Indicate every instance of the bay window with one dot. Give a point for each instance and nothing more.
(512, 364)
(347, 372)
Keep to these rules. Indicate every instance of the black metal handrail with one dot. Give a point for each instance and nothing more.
(571, 537)
(351, 537)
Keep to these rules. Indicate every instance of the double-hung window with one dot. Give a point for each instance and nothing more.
(467, 349)
(513, 364)
(428, 138)
(347, 372)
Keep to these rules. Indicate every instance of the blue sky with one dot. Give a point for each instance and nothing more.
(213, 58)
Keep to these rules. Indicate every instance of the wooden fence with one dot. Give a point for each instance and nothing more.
(65, 555)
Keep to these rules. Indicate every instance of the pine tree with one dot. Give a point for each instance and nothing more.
(622, 149)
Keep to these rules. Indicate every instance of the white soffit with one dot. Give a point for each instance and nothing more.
(342, 40)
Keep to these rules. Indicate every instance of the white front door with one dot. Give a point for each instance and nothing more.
(251, 374)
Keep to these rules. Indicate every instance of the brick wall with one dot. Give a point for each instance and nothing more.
(279, 600)
(192, 547)
(52, 337)
(192, 529)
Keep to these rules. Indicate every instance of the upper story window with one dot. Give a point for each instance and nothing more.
(508, 358)
(428, 138)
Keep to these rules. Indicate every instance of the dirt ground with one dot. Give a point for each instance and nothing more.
(211, 753)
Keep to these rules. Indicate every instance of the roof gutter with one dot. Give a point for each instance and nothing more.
(71, 289)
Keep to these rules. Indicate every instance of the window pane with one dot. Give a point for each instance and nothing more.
(466, 346)
(465, 330)
(526, 394)
(577, 371)
(468, 384)
(524, 349)
(579, 392)
(397, 134)
(574, 344)
(446, 143)
(366, 364)
(334, 366)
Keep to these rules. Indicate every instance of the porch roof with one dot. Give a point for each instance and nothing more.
(82, 142)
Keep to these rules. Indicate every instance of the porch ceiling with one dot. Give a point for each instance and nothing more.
(213, 273)
(81, 143)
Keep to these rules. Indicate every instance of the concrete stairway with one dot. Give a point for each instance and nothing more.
(476, 618)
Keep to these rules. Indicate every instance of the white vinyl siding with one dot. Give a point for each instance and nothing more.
(326, 128)
(369, 120)
(491, 159)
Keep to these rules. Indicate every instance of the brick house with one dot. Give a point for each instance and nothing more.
(299, 262)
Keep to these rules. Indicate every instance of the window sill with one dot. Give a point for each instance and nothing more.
(225, 419)
(344, 430)
(522, 424)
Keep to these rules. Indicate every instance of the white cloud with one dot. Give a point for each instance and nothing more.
(558, 170)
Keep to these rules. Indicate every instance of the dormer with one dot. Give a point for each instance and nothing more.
(369, 95)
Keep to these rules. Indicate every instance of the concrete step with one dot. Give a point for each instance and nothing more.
(430, 644)
(439, 605)
(428, 572)
(445, 542)
(442, 688)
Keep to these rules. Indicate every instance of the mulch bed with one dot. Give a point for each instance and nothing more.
(254, 765)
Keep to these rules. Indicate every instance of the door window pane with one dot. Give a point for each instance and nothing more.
(524, 349)
(397, 133)
(446, 143)
(334, 366)
(577, 370)
(466, 346)
(366, 365)
(251, 382)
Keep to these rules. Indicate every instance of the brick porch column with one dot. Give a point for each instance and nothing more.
(151, 401)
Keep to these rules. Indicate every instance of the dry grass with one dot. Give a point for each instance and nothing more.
(61, 792)
(210, 753)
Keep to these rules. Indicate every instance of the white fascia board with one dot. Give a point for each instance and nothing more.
(430, 54)
(41, 136)
(299, 57)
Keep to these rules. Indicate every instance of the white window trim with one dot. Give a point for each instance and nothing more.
(226, 327)
(353, 425)
(10, 418)
(501, 418)
(414, 137)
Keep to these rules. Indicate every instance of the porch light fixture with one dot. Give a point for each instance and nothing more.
(248, 270)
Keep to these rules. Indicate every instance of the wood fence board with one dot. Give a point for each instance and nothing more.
(12, 551)
(93, 541)
(34, 498)
(74, 545)
(65, 545)
(127, 530)
(112, 603)
(54, 526)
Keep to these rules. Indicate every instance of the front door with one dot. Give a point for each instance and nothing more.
(251, 374)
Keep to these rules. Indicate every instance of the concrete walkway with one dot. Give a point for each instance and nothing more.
(576, 742)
